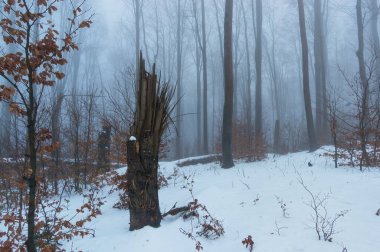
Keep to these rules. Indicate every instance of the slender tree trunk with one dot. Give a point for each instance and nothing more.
(249, 80)
(5, 130)
(320, 71)
(104, 144)
(76, 123)
(137, 7)
(258, 59)
(374, 8)
(199, 100)
(179, 82)
(198, 70)
(276, 142)
(276, 93)
(31, 173)
(325, 69)
(56, 136)
(318, 65)
(205, 85)
(32, 182)
(236, 61)
(90, 103)
(220, 39)
(6, 116)
(219, 31)
(364, 82)
(227, 161)
(305, 71)
(144, 38)
(157, 27)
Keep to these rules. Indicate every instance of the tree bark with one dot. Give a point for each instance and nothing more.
(142, 184)
(227, 161)
(179, 82)
(31, 174)
(320, 71)
(374, 8)
(137, 9)
(305, 70)
(220, 37)
(199, 100)
(205, 85)
(56, 129)
(236, 62)
(104, 147)
(198, 52)
(276, 143)
(258, 58)
(364, 84)
(249, 80)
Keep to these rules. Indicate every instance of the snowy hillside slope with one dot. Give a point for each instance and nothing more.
(252, 199)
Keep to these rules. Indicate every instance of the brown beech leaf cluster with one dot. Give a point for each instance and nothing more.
(36, 60)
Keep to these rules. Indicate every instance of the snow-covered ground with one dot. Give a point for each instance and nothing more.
(247, 199)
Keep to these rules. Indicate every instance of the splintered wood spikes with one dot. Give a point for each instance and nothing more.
(153, 106)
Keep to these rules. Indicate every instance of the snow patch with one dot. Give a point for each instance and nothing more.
(132, 138)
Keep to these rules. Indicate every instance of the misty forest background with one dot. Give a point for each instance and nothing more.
(303, 74)
(98, 87)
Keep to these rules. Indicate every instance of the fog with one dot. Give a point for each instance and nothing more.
(105, 67)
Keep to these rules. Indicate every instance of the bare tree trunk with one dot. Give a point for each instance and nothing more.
(198, 70)
(320, 71)
(158, 25)
(205, 85)
(6, 116)
(199, 100)
(90, 106)
(374, 8)
(258, 59)
(219, 31)
(31, 178)
(325, 69)
(276, 147)
(365, 84)
(31, 172)
(55, 121)
(104, 146)
(275, 80)
(75, 120)
(137, 9)
(179, 82)
(5, 130)
(227, 161)
(305, 70)
(236, 61)
(332, 108)
(249, 80)
(144, 38)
